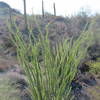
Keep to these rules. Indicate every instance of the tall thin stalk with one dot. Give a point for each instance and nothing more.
(25, 16)
(42, 8)
(54, 7)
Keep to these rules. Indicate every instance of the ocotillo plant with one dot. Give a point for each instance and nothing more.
(54, 7)
(42, 8)
(25, 16)
(51, 78)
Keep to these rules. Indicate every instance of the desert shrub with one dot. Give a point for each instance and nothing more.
(51, 77)
(94, 67)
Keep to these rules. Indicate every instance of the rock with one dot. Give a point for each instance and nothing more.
(82, 82)
(94, 52)
(84, 68)
(76, 85)
(81, 95)
(87, 79)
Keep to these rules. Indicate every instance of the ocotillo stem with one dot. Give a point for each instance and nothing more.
(25, 16)
(42, 8)
(54, 6)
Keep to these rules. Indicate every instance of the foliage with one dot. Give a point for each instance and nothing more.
(50, 70)
(94, 67)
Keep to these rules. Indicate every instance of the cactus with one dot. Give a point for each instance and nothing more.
(42, 8)
(54, 7)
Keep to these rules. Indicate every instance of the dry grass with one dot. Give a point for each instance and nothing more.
(7, 91)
